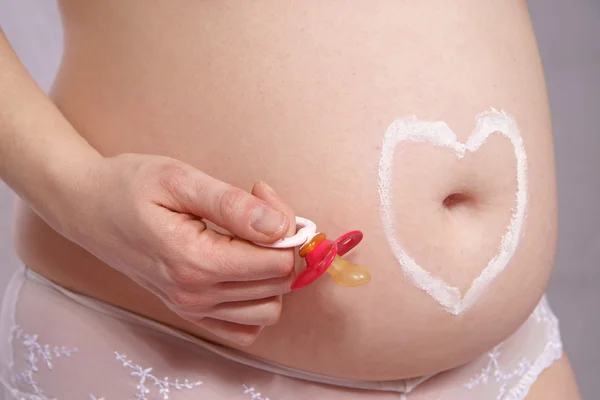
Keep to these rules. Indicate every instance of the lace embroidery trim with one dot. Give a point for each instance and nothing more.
(254, 395)
(252, 392)
(494, 369)
(145, 377)
(552, 351)
(36, 352)
(525, 370)
(45, 353)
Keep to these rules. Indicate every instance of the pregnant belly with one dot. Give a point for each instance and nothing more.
(458, 215)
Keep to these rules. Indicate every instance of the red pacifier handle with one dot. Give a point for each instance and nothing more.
(322, 255)
(320, 258)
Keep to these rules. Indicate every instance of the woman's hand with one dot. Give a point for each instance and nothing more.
(143, 215)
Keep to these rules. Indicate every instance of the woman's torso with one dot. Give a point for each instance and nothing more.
(300, 94)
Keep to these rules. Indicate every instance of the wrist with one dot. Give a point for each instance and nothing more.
(62, 192)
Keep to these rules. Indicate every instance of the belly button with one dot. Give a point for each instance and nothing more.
(457, 199)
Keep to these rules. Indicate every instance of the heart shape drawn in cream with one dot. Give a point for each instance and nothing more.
(439, 134)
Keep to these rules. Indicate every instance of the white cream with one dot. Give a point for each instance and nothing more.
(439, 134)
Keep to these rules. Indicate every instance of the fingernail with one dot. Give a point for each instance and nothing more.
(269, 189)
(267, 220)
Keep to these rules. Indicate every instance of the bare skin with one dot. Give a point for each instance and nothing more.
(176, 98)
(556, 383)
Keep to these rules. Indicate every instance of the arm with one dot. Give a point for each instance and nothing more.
(142, 215)
(42, 156)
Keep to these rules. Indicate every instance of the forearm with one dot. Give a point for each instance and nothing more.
(42, 157)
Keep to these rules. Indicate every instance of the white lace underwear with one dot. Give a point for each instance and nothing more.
(55, 344)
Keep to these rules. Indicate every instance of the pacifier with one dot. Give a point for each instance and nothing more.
(322, 254)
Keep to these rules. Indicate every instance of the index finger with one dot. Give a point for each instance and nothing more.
(234, 259)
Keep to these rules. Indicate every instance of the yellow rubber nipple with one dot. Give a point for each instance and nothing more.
(347, 274)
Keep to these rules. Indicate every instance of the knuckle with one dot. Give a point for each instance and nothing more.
(171, 233)
(181, 275)
(218, 259)
(247, 337)
(171, 175)
(182, 236)
(286, 264)
(188, 275)
(187, 301)
(231, 202)
(272, 312)
(182, 299)
(159, 176)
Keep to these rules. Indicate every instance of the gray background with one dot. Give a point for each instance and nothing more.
(568, 33)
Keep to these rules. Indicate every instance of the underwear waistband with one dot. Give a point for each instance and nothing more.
(400, 385)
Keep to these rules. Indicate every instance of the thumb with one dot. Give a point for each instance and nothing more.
(239, 212)
(266, 193)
